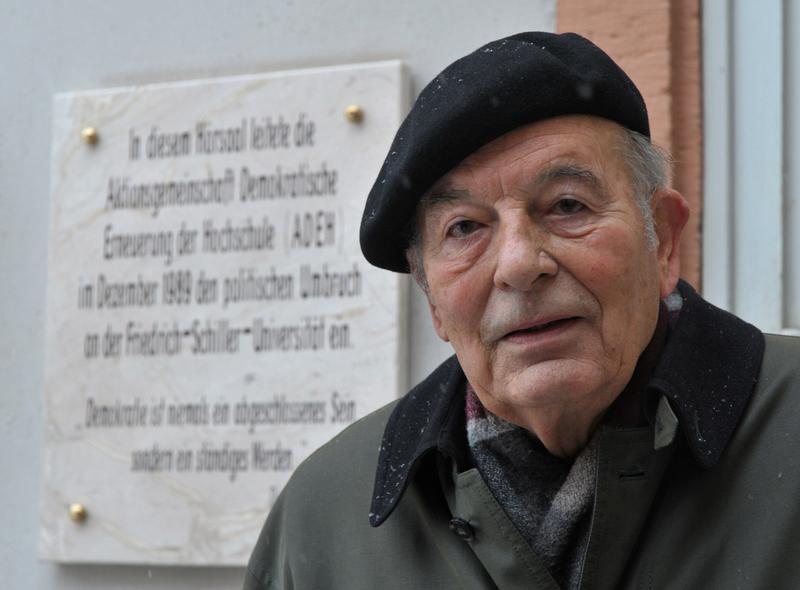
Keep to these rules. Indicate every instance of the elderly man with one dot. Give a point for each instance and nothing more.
(600, 426)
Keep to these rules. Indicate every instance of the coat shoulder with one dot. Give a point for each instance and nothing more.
(327, 497)
(781, 358)
(352, 454)
(775, 402)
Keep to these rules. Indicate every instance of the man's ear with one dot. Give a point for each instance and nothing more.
(438, 325)
(670, 213)
(418, 273)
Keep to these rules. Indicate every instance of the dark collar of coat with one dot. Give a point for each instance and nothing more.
(708, 370)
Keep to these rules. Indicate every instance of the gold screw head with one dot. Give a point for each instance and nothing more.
(90, 136)
(78, 512)
(354, 113)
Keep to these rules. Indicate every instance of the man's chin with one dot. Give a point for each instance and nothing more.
(554, 382)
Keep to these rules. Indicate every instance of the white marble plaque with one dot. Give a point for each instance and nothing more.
(210, 317)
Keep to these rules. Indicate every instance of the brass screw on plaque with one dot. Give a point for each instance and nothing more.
(89, 135)
(78, 512)
(354, 113)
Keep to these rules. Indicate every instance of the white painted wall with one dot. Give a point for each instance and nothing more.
(751, 203)
(48, 46)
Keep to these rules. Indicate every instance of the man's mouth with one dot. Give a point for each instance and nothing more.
(547, 326)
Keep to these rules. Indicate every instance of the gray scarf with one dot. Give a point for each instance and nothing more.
(548, 499)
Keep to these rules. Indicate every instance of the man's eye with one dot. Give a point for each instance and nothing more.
(463, 228)
(568, 206)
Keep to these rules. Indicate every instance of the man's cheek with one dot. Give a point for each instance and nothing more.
(616, 266)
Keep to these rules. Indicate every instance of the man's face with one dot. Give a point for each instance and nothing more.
(539, 271)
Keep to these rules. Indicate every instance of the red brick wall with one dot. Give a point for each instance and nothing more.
(657, 42)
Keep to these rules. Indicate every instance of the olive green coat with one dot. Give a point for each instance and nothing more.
(717, 508)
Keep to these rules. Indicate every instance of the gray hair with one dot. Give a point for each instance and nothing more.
(650, 170)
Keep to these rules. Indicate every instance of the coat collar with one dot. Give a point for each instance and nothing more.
(708, 370)
(430, 416)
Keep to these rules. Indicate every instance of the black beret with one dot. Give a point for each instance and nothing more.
(503, 85)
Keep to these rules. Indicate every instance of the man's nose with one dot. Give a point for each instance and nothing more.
(523, 256)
